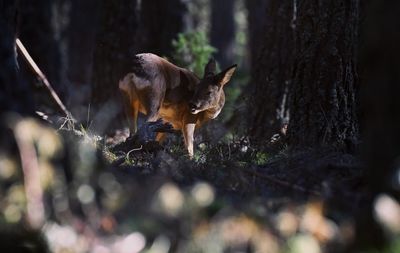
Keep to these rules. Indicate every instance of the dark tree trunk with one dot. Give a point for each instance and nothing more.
(256, 18)
(37, 33)
(272, 73)
(380, 89)
(114, 48)
(322, 106)
(222, 33)
(161, 21)
(380, 92)
(15, 95)
(81, 40)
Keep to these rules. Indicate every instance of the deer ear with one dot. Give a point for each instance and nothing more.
(210, 68)
(224, 77)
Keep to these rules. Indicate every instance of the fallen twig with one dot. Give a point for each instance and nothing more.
(132, 150)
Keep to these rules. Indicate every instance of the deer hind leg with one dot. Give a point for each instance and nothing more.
(151, 101)
(149, 94)
(128, 85)
(135, 114)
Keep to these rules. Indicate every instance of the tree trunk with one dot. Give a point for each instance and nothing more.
(256, 18)
(115, 45)
(37, 32)
(322, 106)
(15, 95)
(272, 74)
(222, 33)
(81, 40)
(161, 21)
(380, 61)
(381, 87)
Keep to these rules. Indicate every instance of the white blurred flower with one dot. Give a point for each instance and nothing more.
(304, 243)
(160, 245)
(387, 212)
(171, 199)
(85, 194)
(132, 243)
(203, 194)
(61, 238)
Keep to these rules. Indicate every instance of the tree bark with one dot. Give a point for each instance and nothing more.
(381, 84)
(222, 33)
(256, 18)
(271, 77)
(322, 104)
(380, 61)
(115, 45)
(82, 30)
(15, 94)
(160, 23)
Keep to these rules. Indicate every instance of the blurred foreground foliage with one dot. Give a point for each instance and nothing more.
(101, 196)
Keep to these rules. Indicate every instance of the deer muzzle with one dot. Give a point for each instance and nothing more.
(193, 108)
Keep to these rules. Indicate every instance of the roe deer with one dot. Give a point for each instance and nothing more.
(160, 89)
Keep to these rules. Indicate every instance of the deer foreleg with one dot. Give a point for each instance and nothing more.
(188, 134)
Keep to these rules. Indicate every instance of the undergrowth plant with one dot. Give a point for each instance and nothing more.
(192, 50)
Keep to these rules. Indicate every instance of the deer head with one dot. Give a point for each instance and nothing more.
(208, 92)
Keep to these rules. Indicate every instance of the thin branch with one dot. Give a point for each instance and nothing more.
(43, 78)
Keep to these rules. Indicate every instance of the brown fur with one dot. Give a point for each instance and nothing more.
(160, 89)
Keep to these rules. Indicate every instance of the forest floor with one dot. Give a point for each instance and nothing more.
(130, 194)
(230, 197)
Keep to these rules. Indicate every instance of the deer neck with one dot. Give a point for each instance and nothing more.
(191, 80)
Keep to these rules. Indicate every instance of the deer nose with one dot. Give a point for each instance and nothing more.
(192, 107)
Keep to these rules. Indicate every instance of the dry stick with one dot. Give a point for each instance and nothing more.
(282, 183)
(43, 78)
